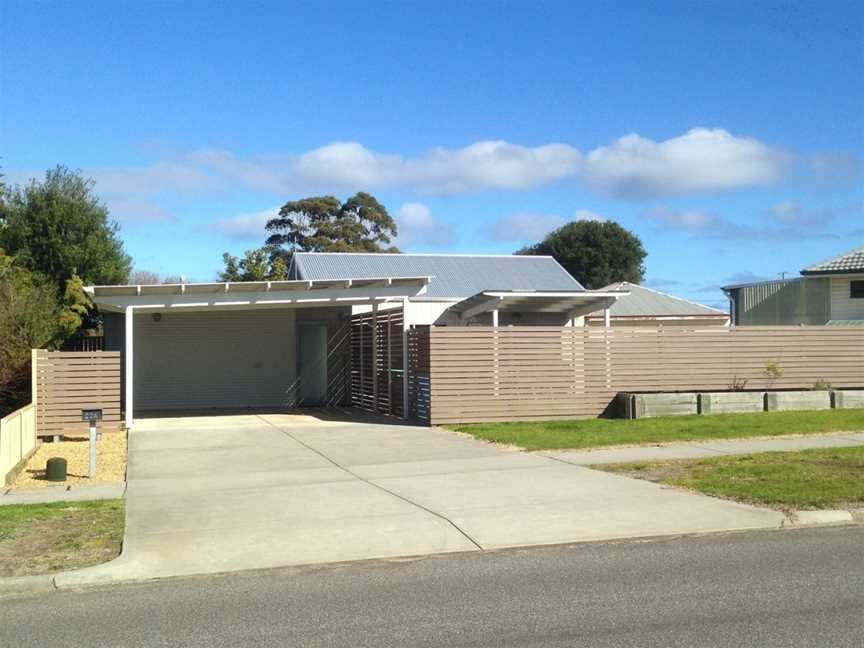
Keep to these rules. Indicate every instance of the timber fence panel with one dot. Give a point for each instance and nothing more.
(17, 440)
(524, 373)
(65, 382)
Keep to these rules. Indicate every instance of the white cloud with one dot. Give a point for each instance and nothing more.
(244, 227)
(161, 177)
(792, 214)
(524, 226)
(689, 221)
(477, 167)
(133, 209)
(835, 169)
(416, 224)
(700, 161)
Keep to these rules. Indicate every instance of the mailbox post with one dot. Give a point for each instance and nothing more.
(92, 416)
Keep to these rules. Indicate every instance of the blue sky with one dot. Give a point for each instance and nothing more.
(729, 136)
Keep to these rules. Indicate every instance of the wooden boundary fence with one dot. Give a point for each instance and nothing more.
(65, 382)
(17, 441)
(474, 374)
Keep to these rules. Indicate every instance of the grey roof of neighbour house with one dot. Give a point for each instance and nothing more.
(645, 302)
(844, 263)
(454, 276)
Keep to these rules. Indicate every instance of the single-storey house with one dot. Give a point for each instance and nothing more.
(830, 292)
(277, 344)
(646, 307)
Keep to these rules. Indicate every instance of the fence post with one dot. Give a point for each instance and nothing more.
(34, 386)
(405, 400)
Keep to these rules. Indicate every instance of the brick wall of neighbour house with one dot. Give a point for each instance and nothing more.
(67, 382)
(477, 374)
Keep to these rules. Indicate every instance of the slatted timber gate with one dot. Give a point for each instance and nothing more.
(376, 362)
(65, 382)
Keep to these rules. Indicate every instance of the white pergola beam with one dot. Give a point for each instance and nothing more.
(484, 306)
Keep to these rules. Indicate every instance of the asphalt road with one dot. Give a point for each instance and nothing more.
(777, 588)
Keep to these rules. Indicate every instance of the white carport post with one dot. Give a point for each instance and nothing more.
(495, 317)
(607, 317)
(130, 354)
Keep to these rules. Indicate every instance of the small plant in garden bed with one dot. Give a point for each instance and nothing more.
(821, 385)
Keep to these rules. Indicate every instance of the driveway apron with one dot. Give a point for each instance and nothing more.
(223, 493)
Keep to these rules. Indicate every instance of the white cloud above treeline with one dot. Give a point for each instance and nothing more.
(632, 167)
(527, 226)
(416, 225)
(246, 226)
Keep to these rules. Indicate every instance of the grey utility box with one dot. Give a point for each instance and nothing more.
(798, 400)
(848, 398)
(723, 402)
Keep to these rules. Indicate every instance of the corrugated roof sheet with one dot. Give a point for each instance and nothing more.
(849, 262)
(455, 276)
(839, 322)
(644, 302)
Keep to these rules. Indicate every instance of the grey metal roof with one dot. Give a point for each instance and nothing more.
(845, 323)
(645, 302)
(454, 276)
(849, 262)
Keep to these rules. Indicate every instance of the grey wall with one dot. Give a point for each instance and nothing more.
(790, 302)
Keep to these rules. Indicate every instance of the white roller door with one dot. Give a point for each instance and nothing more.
(214, 359)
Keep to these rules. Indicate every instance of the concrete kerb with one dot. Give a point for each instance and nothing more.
(818, 518)
(112, 572)
(64, 494)
(98, 576)
(26, 585)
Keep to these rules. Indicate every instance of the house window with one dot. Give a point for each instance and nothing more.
(856, 290)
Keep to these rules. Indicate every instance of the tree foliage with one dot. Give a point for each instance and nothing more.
(261, 264)
(58, 228)
(324, 224)
(595, 253)
(149, 278)
(33, 315)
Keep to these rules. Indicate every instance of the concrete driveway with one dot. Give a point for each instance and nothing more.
(222, 493)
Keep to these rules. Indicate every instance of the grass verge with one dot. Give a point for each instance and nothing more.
(806, 479)
(592, 433)
(46, 538)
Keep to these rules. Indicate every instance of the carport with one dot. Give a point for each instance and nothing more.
(235, 345)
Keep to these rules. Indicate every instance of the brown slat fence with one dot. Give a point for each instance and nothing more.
(65, 382)
(473, 374)
(376, 362)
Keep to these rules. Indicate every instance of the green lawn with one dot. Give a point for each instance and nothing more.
(591, 433)
(45, 538)
(808, 479)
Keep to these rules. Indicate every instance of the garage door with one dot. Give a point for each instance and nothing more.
(216, 359)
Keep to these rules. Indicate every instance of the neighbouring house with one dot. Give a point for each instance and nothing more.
(320, 337)
(830, 292)
(646, 307)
